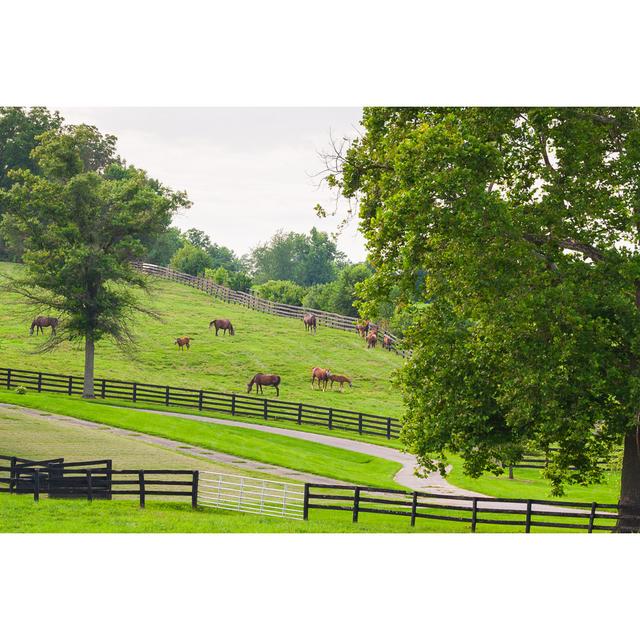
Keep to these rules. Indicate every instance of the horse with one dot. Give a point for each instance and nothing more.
(321, 375)
(309, 322)
(183, 342)
(264, 379)
(340, 379)
(223, 324)
(362, 329)
(372, 339)
(387, 342)
(44, 321)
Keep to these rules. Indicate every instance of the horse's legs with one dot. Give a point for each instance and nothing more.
(277, 390)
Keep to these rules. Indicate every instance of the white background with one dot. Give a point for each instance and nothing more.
(322, 54)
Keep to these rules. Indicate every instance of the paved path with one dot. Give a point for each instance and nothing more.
(406, 477)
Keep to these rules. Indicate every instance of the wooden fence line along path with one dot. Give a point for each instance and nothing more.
(95, 479)
(203, 400)
(326, 318)
(512, 512)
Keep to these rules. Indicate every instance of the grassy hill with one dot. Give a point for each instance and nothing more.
(262, 344)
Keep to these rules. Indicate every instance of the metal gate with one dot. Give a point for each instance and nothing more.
(251, 495)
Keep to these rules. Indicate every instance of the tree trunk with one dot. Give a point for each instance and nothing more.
(89, 349)
(629, 504)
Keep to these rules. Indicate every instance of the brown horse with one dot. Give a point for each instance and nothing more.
(44, 321)
(372, 339)
(183, 342)
(387, 342)
(321, 375)
(264, 379)
(340, 379)
(223, 324)
(309, 322)
(362, 329)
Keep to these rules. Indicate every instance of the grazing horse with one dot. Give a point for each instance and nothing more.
(362, 329)
(321, 375)
(183, 342)
(372, 339)
(44, 321)
(309, 322)
(264, 379)
(387, 342)
(223, 324)
(340, 379)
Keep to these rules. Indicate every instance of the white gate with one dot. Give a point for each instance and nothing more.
(251, 495)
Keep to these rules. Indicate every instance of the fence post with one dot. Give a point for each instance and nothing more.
(36, 485)
(356, 504)
(8, 378)
(39, 381)
(109, 479)
(141, 482)
(388, 428)
(194, 489)
(89, 487)
(200, 394)
(592, 517)
(305, 502)
(330, 418)
(414, 508)
(12, 475)
(134, 392)
(300, 413)
(103, 388)
(360, 424)
(266, 416)
(233, 404)
(166, 395)
(527, 528)
(474, 515)
(70, 385)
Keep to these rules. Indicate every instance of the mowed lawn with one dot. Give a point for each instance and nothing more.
(309, 457)
(262, 344)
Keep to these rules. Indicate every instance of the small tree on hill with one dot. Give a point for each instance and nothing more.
(81, 221)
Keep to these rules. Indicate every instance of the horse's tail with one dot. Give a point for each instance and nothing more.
(231, 331)
(211, 323)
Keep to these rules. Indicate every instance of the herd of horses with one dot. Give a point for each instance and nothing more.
(319, 375)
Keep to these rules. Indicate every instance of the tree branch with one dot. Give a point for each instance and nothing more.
(567, 243)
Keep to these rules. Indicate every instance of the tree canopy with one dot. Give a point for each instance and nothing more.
(303, 259)
(513, 235)
(81, 219)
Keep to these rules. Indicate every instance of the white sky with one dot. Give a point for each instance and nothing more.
(247, 170)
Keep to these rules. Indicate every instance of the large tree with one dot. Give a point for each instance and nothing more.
(514, 233)
(81, 218)
(306, 259)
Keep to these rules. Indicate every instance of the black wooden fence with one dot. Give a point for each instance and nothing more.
(511, 512)
(93, 479)
(203, 400)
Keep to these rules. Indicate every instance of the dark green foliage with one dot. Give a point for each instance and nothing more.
(300, 258)
(511, 234)
(191, 259)
(161, 248)
(283, 291)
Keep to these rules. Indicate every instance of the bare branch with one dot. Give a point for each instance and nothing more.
(567, 243)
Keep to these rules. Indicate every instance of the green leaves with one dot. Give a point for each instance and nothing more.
(511, 235)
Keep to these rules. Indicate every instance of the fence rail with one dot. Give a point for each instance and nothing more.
(95, 479)
(520, 513)
(331, 320)
(251, 495)
(203, 400)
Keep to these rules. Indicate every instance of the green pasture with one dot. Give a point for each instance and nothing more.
(310, 457)
(262, 344)
(529, 483)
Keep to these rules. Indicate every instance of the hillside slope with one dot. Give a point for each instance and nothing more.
(262, 344)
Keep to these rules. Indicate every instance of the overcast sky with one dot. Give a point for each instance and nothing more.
(247, 170)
